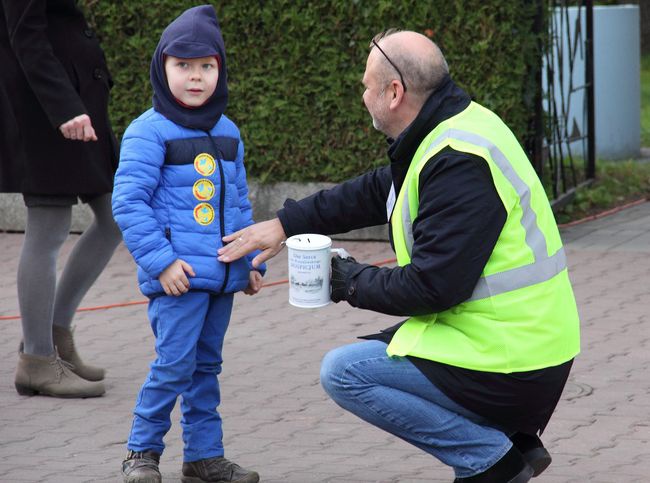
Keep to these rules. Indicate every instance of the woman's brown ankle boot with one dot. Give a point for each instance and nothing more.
(51, 376)
(64, 343)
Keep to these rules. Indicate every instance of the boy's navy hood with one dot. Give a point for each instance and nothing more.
(195, 33)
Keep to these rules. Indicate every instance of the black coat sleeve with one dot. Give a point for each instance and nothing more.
(27, 30)
(357, 203)
(459, 220)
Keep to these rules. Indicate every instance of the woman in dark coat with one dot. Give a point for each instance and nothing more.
(56, 145)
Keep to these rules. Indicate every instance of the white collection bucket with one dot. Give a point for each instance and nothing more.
(309, 269)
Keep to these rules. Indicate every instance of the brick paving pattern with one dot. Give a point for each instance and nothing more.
(278, 420)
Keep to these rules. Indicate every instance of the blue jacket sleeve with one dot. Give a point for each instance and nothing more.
(244, 203)
(138, 175)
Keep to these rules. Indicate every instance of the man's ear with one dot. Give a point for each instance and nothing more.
(397, 92)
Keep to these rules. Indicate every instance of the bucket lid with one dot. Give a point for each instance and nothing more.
(309, 241)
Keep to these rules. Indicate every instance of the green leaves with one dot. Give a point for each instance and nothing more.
(645, 100)
(616, 183)
(295, 69)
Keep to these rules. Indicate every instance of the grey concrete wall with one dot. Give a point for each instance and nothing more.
(265, 198)
(13, 214)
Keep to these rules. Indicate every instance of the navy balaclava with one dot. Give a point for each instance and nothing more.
(195, 33)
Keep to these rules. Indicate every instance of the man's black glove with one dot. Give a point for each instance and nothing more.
(341, 268)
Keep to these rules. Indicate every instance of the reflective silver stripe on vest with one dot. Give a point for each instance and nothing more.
(538, 272)
(543, 268)
(407, 224)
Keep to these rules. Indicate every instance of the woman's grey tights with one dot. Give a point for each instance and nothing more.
(44, 301)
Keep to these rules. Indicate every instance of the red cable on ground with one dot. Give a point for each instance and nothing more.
(142, 302)
(604, 213)
(87, 309)
(383, 262)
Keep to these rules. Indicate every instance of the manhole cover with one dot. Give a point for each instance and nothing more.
(575, 390)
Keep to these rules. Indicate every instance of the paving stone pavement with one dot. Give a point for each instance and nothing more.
(278, 420)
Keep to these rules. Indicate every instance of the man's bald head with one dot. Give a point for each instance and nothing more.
(419, 60)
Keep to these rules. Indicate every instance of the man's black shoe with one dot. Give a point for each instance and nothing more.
(511, 468)
(217, 470)
(533, 451)
(141, 467)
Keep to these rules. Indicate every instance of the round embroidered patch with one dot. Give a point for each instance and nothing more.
(203, 189)
(204, 164)
(204, 213)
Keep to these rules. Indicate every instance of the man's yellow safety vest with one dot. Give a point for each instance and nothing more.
(522, 314)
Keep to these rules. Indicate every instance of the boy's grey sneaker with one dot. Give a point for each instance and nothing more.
(141, 467)
(217, 470)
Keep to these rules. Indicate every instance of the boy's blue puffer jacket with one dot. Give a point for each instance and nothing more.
(177, 193)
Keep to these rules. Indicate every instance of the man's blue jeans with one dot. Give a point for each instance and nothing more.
(392, 394)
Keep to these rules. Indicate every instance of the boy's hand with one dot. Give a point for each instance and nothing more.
(254, 283)
(173, 279)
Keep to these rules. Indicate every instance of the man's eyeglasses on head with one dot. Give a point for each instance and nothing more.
(401, 77)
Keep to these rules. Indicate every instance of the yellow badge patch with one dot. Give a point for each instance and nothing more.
(204, 213)
(203, 190)
(204, 164)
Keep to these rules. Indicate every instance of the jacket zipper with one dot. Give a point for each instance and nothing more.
(222, 199)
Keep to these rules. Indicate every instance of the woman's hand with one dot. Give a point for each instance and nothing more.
(266, 236)
(78, 128)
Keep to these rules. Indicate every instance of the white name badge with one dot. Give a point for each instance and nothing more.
(390, 202)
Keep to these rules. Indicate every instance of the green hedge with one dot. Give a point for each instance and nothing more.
(295, 69)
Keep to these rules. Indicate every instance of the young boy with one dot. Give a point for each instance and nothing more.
(181, 187)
